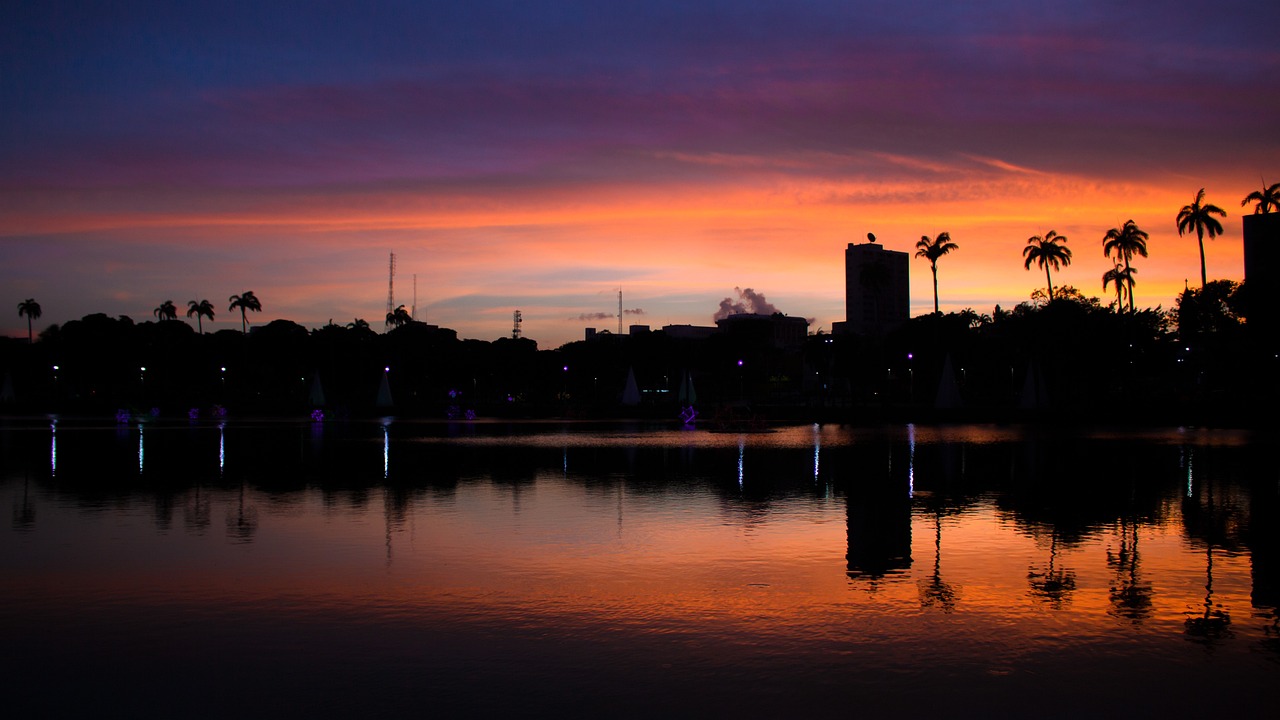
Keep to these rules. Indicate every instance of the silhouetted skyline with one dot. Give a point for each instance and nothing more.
(538, 158)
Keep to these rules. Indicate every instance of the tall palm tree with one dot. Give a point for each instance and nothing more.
(1267, 199)
(1198, 216)
(398, 317)
(31, 309)
(1126, 241)
(201, 309)
(1050, 251)
(245, 301)
(166, 311)
(1123, 278)
(358, 324)
(931, 250)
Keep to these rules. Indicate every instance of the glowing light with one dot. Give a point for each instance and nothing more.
(53, 449)
(142, 451)
(386, 452)
(222, 447)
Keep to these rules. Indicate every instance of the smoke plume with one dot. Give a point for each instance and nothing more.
(749, 301)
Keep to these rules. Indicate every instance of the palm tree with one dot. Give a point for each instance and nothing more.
(202, 309)
(245, 301)
(1050, 251)
(931, 250)
(1123, 278)
(1198, 216)
(1267, 199)
(1125, 241)
(398, 317)
(358, 324)
(31, 309)
(166, 311)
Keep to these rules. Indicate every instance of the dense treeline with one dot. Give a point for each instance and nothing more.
(1071, 358)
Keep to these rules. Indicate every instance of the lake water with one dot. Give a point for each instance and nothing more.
(415, 569)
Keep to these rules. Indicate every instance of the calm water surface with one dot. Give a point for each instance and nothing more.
(401, 569)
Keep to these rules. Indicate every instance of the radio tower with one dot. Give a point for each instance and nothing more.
(391, 288)
(516, 319)
(619, 311)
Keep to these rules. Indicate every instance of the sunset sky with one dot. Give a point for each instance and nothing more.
(538, 156)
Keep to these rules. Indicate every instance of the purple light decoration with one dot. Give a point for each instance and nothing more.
(317, 415)
(739, 363)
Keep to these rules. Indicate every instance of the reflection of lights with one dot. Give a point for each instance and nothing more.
(911, 460)
(1189, 458)
(142, 453)
(742, 444)
(222, 446)
(53, 449)
(817, 446)
(386, 452)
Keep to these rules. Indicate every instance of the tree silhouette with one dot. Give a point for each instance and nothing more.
(358, 324)
(202, 309)
(1198, 216)
(931, 250)
(1123, 278)
(31, 309)
(166, 311)
(245, 301)
(1125, 241)
(398, 317)
(1050, 251)
(1267, 199)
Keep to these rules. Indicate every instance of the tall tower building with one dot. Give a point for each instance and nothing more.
(877, 288)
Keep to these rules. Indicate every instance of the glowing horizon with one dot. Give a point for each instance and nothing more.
(542, 175)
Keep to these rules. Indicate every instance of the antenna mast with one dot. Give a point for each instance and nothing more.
(516, 319)
(619, 311)
(391, 287)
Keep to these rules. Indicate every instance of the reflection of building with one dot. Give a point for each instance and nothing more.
(879, 523)
(877, 289)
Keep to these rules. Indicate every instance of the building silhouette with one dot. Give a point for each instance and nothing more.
(1262, 270)
(877, 289)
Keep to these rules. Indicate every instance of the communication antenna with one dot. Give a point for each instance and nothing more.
(619, 311)
(391, 286)
(516, 319)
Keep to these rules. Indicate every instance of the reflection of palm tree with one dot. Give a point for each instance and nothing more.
(245, 301)
(202, 309)
(934, 591)
(1055, 584)
(1125, 241)
(1130, 596)
(1198, 216)
(1213, 623)
(244, 524)
(931, 250)
(1050, 251)
(31, 309)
